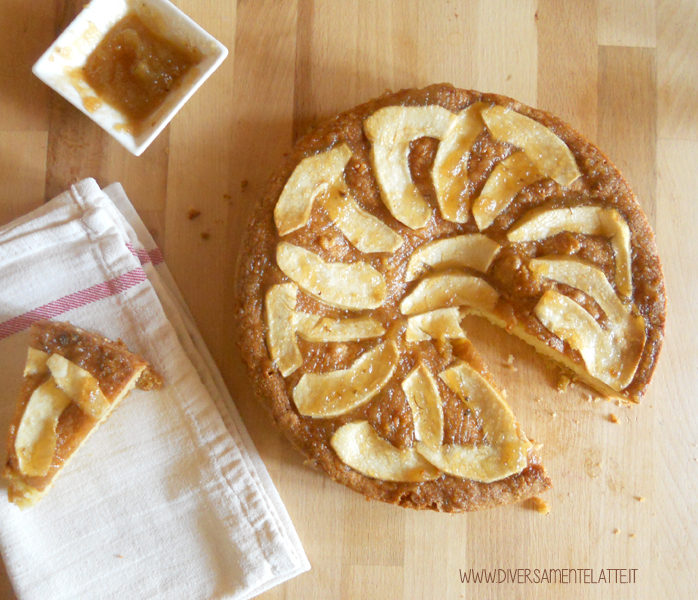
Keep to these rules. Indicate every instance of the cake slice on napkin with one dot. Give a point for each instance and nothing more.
(73, 380)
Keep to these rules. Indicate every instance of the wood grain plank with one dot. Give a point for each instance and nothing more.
(371, 582)
(674, 503)
(410, 44)
(505, 54)
(431, 41)
(429, 575)
(627, 133)
(198, 177)
(261, 101)
(23, 168)
(568, 63)
(375, 536)
(677, 48)
(144, 179)
(28, 31)
(627, 130)
(317, 507)
(360, 54)
(627, 23)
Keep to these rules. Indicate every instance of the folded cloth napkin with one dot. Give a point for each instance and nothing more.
(169, 499)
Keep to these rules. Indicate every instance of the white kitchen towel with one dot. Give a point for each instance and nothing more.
(169, 499)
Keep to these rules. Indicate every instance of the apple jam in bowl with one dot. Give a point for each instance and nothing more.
(134, 68)
(130, 66)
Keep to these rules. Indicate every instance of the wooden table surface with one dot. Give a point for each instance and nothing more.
(623, 72)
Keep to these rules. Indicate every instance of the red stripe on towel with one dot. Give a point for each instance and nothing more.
(147, 256)
(72, 301)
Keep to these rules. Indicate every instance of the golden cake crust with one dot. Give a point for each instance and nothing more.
(600, 184)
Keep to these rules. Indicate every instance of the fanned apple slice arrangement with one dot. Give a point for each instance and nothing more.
(588, 321)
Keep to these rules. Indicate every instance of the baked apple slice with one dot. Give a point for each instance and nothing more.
(542, 147)
(391, 130)
(314, 176)
(539, 224)
(352, 286)
(359, 446)
(323, 395)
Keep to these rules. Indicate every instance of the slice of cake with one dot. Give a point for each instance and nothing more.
(73, 380)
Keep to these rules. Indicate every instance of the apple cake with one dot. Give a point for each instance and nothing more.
(383, 229)
(73, 380)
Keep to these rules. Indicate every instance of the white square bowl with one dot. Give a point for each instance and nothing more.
(68, 54)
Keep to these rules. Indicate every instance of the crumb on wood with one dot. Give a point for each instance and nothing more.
(632, 535)
(616, 531)
(510, 363)
(539, 505)
(640, 498)
(205, 235)
(193, 213)
(612, 418)
(311, 464)
(563, 383)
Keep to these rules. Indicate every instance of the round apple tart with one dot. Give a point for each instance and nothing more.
(390, 223)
